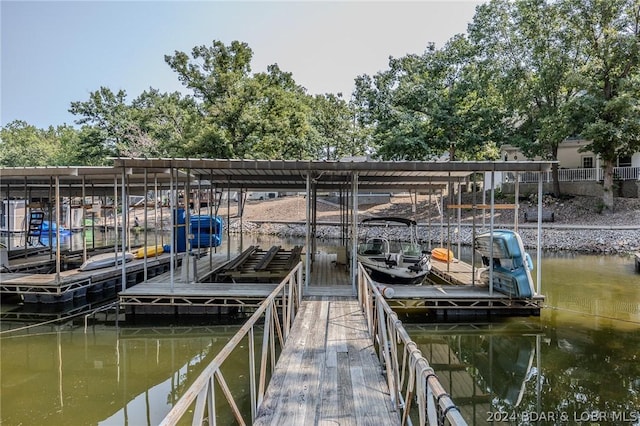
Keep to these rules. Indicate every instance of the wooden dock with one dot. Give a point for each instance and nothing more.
(328, 372)
(328, 278)
(456, 272)
(74, 283)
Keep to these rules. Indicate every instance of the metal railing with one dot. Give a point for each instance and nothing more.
(409, 375)
(201, 395)
(577, 175)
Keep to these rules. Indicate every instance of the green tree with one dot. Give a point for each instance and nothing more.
(165, 122)
(610, 79)
(244, 115)
(108, 112)
(332, 119)
(282, 112)
(533, 62)
(24, 145)
(220, 77)
(431, 104)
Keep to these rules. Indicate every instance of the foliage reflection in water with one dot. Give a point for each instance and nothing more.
(578, 358)
(577, 363)
(108, 376)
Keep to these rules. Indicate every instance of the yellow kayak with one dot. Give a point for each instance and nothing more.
(150, 251)
(442, 254)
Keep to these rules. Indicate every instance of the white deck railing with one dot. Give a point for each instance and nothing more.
(201, 396)
(578, 175)
(409, 375)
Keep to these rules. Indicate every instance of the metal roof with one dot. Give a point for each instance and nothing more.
(326, 175)
(98, 180)
(274, 175)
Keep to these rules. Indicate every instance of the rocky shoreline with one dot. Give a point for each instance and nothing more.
(588, 241)
(579, 226)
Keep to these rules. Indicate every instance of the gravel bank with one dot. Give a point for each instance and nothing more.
(578, 226)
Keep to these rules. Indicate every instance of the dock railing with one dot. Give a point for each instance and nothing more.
(409, 375)
(201, 396)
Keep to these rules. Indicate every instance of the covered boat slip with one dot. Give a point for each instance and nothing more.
(140, 176)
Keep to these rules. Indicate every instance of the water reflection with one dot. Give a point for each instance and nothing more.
(522, 374)
(579, 357)
(108, 376)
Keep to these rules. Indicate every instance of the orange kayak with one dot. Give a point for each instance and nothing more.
(442, 254)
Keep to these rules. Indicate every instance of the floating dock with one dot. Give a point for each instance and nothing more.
(328, 278)
(52, 288)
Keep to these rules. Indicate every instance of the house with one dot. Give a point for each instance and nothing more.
(580, 172)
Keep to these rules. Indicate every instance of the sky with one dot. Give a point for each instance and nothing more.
(57, 52)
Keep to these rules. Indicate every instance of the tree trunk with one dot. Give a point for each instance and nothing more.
(607, 196)
(556, 180)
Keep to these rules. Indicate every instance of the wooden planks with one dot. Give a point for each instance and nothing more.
(328, 372)
(456, 272)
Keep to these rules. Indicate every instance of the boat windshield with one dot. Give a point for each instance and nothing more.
(411, 249)
(374, 246)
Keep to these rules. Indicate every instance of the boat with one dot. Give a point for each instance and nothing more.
(512, 265)
(393, 262)
(105, 260)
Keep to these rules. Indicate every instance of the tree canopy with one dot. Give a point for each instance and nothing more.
(528, 73)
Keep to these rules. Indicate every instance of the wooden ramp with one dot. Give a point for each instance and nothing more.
(328, 372)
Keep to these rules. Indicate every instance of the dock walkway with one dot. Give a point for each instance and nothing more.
(328, 372)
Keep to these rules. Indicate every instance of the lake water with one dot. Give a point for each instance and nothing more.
(577, 362)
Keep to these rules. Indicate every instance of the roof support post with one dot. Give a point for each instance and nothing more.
(473, 231)
(493, 204)
(307, 254)
(539, 237)
(82, 223)
(186, 260)
(146, 220)
(448, 210)
(354, 233)
(459, 219)
(516, 202)
(125, 211)
(58, 224)
(115, 214)
(173, 215)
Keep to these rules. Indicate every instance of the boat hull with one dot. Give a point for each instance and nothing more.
(380, 272)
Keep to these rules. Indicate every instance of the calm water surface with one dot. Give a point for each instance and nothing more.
(577, 363)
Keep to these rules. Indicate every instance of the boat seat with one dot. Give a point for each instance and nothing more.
(415, 268)
(393, 259)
